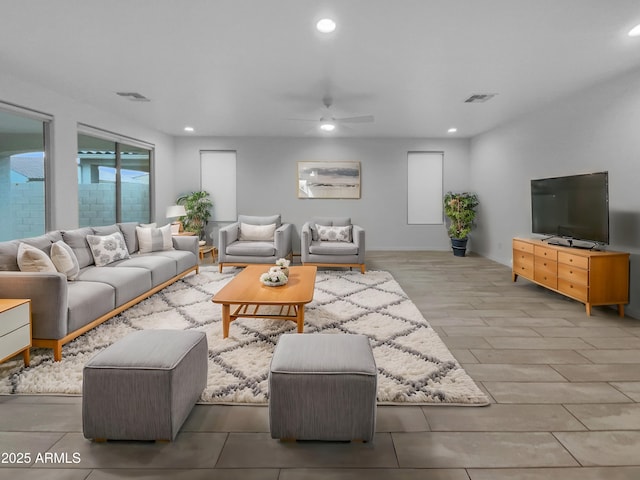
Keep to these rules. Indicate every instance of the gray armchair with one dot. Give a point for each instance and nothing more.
(336, 247)
(254, 239)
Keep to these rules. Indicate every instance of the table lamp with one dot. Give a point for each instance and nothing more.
(175, 211)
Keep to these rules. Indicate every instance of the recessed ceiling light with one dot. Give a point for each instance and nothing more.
(327, 127)
(326, 25)
(452, 130)
(635, 31)
(188, 129)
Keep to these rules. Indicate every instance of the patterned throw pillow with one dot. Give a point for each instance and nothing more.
(32, 259)
(334, 234)
(107, 249)
(65, 260)
(154, 239)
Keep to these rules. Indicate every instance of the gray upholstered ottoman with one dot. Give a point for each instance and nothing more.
(144, 386)
(323, 387)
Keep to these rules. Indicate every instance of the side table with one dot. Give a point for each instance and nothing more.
(15, 328)
(204, 249)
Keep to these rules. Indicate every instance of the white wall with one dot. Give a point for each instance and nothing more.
(593, 130)
(266, 182)
(67, 114)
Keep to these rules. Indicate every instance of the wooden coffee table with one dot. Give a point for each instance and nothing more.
(249, 294)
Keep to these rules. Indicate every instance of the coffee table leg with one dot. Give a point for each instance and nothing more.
(300, 318)
(226, 320)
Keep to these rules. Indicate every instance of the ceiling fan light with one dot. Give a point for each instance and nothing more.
(635, 31)
(327, 127)
(326, 25)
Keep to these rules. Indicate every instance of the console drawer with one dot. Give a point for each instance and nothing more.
(573, 274)
(523, 264)
(575, 290)
(522, 246)
(575, 260)
(545, 252)
(547, 279)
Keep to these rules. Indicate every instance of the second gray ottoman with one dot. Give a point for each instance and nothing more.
(323, 387)
(144, 386)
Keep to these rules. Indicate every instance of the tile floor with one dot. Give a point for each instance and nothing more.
(564, 387)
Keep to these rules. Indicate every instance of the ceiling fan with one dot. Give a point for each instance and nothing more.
(328, 121)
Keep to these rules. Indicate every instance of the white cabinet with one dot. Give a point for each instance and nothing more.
(15, 329)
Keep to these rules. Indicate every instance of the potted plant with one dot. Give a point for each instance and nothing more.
(460, 209)
(198, 207)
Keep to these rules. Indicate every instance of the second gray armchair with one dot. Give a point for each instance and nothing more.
(332, 241)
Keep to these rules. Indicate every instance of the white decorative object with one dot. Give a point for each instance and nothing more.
(283, 263)
(275, 277)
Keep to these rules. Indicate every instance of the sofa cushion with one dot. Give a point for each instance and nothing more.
(334, 234)
(88, 301)
(258, 220)
(65, 260)
(128, 282)
(32, 259)
(161, 268)
(9, 256)
(77, 240)
(107, 249)
(333, 248)
(183, 259)
(261, 233)
(42, 242)
(253, 249)
(128, 230)
(153, 239)
(106, 229)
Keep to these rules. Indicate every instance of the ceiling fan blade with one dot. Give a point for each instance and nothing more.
(303, 119)
(359, 119)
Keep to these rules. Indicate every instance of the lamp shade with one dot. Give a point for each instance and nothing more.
(174, 211)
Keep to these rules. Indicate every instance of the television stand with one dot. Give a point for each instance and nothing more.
(588, 276)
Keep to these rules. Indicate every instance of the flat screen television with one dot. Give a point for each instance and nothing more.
(572, 207)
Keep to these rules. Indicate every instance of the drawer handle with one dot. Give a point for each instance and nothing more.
(545, 264)
(571, 272)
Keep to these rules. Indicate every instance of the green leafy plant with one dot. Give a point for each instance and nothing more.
(460, 208)
(198, 207)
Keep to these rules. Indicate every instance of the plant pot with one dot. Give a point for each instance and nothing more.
(459, 246)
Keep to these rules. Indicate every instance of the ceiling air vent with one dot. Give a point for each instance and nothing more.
(133, 96)
(480, 97)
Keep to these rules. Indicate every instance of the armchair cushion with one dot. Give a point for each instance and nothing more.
(328, 222)
(257, 232)
(251, 248)
(333, 248)
(259, 220)
(334, 234)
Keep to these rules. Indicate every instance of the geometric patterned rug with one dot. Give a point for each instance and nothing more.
(414, 365)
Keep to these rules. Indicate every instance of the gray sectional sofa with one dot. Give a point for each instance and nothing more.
(63, 309)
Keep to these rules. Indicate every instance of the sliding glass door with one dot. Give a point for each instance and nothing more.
(23, 205)
(113, 181)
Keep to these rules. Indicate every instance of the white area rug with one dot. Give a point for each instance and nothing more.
(414, 365)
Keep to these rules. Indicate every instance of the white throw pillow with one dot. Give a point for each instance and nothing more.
(262, 233)
(334, 234)
(32, 259)
(154, 239)
(65, 260)
(107, 249)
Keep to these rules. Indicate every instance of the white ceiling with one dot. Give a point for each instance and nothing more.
(246, 67)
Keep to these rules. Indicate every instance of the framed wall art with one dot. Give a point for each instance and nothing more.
(328, 179)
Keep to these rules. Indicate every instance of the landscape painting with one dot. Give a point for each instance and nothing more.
(328, 179)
